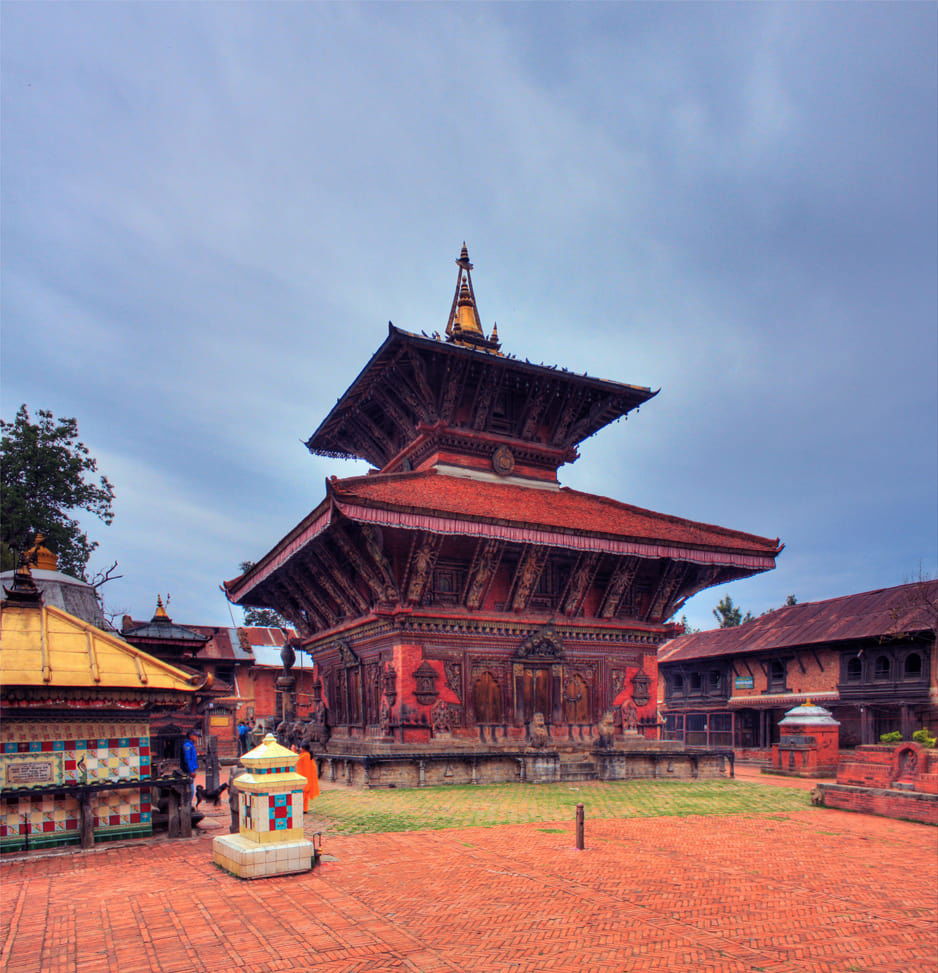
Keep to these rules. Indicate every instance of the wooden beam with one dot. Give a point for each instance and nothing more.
(340, 575)
(452, 386)
(817, 659)
(579, 583)
(622, 577)
(323, 577)
(364, 566)
(530, 566)
(483, 402)
(423, 555)
(311, 594)
(371, 537)
(485, 563)
(535, 410)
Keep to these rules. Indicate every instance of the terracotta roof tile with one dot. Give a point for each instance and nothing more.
(871, 614)
(563, 509)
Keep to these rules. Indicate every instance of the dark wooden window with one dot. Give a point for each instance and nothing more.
(882, 668)
(854, 670)
(913, 666)
(550, 586)
(695, 682)
(449, 579)
(777, 673)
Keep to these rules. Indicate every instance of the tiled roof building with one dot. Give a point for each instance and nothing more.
(869, 658)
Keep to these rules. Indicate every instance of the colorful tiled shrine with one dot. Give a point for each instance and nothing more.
(75, 761)
(270, 839)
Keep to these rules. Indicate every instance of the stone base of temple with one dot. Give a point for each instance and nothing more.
(400, 766)
(248, 859)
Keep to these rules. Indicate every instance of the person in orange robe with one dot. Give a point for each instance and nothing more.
(307, 767)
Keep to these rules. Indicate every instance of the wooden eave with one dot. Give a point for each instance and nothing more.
(336, 438)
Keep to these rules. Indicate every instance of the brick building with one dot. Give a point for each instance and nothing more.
(869, 658)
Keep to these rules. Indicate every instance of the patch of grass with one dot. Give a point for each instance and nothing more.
(464, 805)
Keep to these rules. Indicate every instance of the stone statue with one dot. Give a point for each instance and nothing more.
(606, 731)
(539, 737)
(629, 717)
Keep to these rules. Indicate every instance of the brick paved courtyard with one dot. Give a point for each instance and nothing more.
(799, 890)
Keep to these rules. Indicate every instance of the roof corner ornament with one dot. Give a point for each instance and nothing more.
(464, 327)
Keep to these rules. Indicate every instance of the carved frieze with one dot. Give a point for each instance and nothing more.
(347, 656)
(543, 644)
(453, 673)
(445, 717)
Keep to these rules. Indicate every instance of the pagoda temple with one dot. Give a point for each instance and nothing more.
(458, 592)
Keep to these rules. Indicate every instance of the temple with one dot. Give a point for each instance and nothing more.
(459, 593)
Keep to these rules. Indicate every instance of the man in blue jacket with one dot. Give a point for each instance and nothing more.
(190, 759)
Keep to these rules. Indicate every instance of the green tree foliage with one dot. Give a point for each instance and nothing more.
(790, 600)
(730, 615)
(688, 628)
(262, 617)
(47, 475)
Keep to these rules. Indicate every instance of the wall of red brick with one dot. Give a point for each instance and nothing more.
(888, 803)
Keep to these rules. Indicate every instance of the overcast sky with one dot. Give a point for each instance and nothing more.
(211, 211)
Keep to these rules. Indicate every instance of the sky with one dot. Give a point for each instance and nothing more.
(211, 211)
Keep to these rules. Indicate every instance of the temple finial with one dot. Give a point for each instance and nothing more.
(40, 556)
(160, 613)
(464, 326)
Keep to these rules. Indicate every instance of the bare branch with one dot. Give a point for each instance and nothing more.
(102, 577)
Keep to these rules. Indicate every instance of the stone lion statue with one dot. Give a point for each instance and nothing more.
(606, 731)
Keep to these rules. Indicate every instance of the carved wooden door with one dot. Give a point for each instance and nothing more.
(536, 693)
(576, 700)
(487, 699)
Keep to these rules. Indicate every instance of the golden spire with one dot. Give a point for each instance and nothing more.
(41, 557)
(160, 613)
(464, 326)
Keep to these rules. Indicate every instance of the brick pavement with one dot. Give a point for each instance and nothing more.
(813, 890)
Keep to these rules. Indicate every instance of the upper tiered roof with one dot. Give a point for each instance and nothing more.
(423, 400)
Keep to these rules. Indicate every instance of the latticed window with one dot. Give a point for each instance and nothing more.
(854, 670)
(882, 668)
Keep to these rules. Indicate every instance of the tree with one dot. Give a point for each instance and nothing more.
(730, 615)
(688, 628)
(263, 617)
(790, 600)
(47, 475)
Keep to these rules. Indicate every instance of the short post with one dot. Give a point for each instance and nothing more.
(580, 817)
(211, 763)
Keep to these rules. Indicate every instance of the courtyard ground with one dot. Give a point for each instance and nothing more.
(719, 876)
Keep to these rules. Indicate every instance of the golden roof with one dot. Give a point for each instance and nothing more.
(43, 646)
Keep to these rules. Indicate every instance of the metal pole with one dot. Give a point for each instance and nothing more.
(579, 826)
